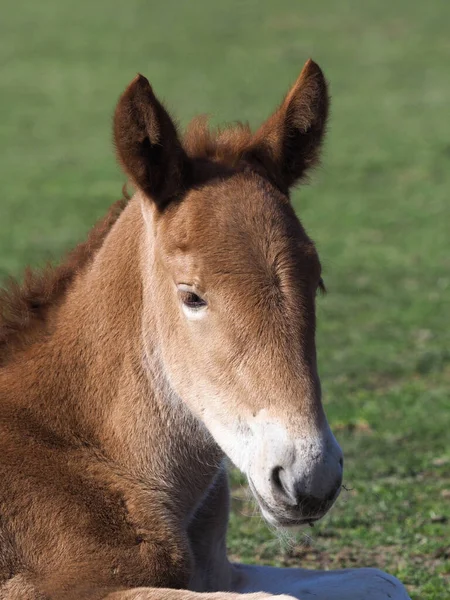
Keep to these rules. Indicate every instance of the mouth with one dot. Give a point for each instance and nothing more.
(296, 523)
(279, 520)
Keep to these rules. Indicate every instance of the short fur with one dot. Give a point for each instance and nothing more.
(25, 307)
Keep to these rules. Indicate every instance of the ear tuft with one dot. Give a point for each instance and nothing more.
(289, 142)
(308, 101)
(147, 143)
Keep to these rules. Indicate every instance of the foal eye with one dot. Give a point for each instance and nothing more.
(191, 300)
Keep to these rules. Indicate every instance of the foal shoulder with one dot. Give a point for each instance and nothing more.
(71, 517)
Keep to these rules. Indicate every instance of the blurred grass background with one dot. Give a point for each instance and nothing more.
(378, 208)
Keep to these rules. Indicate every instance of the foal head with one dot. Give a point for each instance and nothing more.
(230, 280)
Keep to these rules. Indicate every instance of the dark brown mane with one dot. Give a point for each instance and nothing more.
(224, 144)
(24, 307)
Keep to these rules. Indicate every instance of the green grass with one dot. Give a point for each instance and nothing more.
(378, 208)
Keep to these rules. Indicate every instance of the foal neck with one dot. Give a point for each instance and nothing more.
(104, 385)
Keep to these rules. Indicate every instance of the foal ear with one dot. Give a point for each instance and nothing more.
(289, 142)
(147, 143)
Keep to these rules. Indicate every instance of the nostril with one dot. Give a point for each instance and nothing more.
(276, 480)
(341, 462)
(281, 487)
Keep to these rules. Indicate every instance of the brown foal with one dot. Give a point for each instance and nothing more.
(182, 331)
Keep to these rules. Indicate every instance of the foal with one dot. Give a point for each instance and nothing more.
(183, 330)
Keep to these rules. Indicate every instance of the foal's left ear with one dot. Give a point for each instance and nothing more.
(147, 143)
(289, 142)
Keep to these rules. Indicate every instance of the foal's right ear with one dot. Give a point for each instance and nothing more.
(147, 143)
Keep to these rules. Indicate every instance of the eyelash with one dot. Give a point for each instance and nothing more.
(192, 300)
